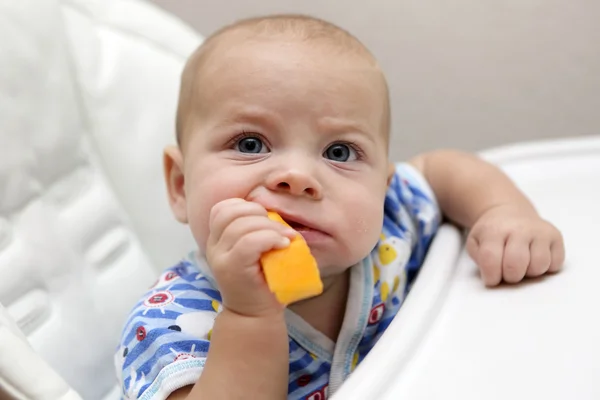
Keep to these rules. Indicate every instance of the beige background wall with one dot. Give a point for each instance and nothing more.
(465, 73)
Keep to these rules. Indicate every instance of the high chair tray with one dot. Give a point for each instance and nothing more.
(456, 339)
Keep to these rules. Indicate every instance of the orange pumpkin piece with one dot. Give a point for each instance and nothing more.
(291, 273)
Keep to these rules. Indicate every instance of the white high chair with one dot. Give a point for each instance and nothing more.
(88, 91)
(87, 101)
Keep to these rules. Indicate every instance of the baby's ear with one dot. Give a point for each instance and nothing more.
(391, 172)
(175, 180)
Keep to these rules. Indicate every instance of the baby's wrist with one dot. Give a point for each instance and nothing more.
(517, 207)
(266, 320)
(268, 313)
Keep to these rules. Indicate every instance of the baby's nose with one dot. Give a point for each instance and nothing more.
(296, 183)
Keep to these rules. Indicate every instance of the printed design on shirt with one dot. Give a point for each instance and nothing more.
(376, 313)
(165, 278)
(198, 324)
(159, 300)
(304, 380)
(319, 394)
(140, 333)
(355, 359)
(424, 211)
(119, 359)
(137, 383)
(392, 256)
(184, 355)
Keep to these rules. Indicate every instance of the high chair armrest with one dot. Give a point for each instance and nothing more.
(24, 375)
(391, 354)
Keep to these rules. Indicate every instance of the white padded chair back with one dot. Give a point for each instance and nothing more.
(87, 101)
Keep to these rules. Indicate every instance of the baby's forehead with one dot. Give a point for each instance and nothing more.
(291, 27)
(243, 43)
(327, 46)
(241, 66)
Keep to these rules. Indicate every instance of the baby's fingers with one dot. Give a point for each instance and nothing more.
(488, 256)
(516, 259)
(248, 224)
(557, 249)
(250, 247)
(541, 258)
(227, 211)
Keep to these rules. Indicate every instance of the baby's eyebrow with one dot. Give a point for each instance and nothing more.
(337, 126)
(253, 115)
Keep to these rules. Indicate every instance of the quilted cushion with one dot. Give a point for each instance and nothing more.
(87, 100)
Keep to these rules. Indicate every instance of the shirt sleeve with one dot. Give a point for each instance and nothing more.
(167, 335)
(411, 212)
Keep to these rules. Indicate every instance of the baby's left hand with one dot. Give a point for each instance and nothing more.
(509, 243)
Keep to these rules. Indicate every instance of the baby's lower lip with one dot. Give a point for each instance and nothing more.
(312, 236)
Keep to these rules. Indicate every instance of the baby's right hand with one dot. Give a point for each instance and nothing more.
(239, 233)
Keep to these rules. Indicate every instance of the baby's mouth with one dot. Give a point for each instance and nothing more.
(311, 234)
(298, 226)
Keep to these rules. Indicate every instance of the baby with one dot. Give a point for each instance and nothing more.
(291, 114)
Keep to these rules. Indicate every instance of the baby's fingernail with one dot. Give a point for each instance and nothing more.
(285, 242)
(290, 232)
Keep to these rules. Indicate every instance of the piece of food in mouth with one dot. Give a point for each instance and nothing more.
(292, 273)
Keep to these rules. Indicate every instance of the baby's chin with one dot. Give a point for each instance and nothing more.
(331, 270)
(344, 254)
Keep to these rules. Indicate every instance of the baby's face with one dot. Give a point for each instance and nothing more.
(299, 131)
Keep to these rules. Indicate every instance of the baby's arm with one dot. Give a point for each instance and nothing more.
(508, 240)
(466, 186)
(249, 351)
(247, 355)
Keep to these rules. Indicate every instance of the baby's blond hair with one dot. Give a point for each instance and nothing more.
(296, 27)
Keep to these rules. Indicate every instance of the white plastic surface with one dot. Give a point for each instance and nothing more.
(536, 340)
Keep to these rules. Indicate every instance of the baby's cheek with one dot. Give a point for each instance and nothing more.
(370, 230)
(365, 224)
(200, 230)
(203, 195)
(199, 221)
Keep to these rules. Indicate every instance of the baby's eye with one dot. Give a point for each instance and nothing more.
(340, 152)
(251, 145)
